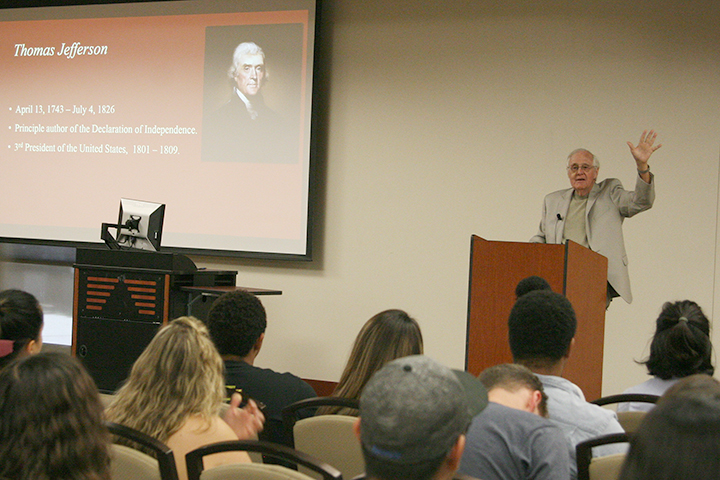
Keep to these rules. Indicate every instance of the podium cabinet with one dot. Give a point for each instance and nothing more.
(122, 298)
(571, 269)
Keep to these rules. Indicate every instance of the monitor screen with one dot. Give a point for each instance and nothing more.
(140, 224)
(207, 105)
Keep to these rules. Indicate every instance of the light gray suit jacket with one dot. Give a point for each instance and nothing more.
(607, 207)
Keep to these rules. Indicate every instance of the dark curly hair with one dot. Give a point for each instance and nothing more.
(541, 326)
(235, 321)
(21, 321)
(529, 284)
(681, 345)
(51, 421)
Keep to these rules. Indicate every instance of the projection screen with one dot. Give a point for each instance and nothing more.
(204, 106)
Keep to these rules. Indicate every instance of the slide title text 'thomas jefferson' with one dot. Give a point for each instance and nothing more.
(67, 50)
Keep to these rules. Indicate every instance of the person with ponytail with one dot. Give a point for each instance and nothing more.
(21, 323)
(680, 347)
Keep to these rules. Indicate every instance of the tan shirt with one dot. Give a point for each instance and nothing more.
(575, 221)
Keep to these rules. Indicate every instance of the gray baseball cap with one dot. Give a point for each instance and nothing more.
(414, 409)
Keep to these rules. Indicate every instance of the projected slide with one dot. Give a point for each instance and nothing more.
(206, 112)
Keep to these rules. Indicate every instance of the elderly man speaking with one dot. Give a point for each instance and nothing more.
(592, 214)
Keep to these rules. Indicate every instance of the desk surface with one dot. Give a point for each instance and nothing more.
(217, 291)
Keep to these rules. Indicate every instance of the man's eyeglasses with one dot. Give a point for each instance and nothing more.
(583, 168)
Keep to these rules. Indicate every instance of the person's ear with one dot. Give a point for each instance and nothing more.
(570, 347)
(453, 458)
(533, 403)
(356, 427)
(259, 342)
(33, 347)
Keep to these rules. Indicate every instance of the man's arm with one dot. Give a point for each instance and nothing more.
(632, 202)
(642, 153)
(540, 236)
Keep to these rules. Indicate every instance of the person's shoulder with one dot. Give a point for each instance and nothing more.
(639, 388)
(558, 193)
(287, 379)
(609, 184)
(652, 386)
(224, 108)
(197, 430)
(236, 365)
(567, 399)
(559, 383)
(498, 413)
(512, 423)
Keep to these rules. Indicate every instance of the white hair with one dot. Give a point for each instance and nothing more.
(245, 48)
(596, 162)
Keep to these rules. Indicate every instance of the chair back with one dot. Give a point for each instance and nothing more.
(128, 459)
(607, 467)
(626, 397)
(260, 471)
(252, 471)
(328, 437)
(630, 421)
(599, 468)
(457, 476)
(129, 464)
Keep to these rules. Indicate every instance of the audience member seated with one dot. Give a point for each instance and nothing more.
(21, 323)
(680, 347)
(174, 393)
(413, 416)
(386, 336)
(680, 437)
(51, 423)
(541, 331)
(237, 322)
(510, 439)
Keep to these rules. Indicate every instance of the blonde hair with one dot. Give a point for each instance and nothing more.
(179, 374)
(386, 336)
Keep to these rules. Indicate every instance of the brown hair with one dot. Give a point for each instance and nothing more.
(386, 336)
(51, 423)
(512, 377)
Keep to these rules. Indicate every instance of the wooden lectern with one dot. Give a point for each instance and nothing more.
(575, 271)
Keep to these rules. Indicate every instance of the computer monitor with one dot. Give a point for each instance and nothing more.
(140, 224)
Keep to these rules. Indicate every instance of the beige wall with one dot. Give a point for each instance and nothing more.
(449, 118)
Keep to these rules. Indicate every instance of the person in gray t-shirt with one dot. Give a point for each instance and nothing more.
(511, 439)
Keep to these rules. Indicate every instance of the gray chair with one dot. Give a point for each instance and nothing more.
(630, 421)
(257, 471)
(328, 437)
(457, 476)
(599, 468)
(128, 463)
